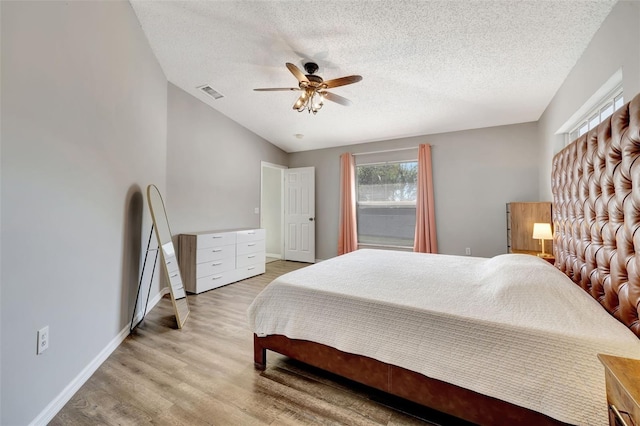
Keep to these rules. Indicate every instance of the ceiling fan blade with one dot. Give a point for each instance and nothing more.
(336, 98)
(276, 89)
(342, 81)
(298, 74)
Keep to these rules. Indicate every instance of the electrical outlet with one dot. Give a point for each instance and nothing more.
(467, 251)
(256, 210)
(43, 339)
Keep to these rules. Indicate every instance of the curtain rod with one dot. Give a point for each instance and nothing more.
(383, 151)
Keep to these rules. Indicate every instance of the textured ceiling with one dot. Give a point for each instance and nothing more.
(427, 66)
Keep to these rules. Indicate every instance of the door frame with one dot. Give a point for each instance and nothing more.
(281, 168)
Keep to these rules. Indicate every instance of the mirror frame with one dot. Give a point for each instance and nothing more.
(180, 304)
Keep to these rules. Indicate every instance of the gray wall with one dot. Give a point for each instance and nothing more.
(213, 167)
(475, 173)
(616, 45)
(84, 106)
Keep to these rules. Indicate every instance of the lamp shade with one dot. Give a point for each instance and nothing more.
(542, 231)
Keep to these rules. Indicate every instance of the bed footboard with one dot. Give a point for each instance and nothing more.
(441, 396)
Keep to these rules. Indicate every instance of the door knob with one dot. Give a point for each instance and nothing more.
(310, 219)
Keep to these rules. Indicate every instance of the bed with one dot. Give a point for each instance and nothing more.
(507, 340)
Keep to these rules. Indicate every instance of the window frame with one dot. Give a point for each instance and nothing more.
(598, 113)
(415, 204)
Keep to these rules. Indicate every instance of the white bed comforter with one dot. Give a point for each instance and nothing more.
(512, 327)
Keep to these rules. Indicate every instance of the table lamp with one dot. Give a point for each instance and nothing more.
(542, 231)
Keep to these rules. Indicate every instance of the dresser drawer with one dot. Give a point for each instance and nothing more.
(250, 270)
(250, 247)
(215, 267)
(250, 259)
(250, 235)
(216, 239)
(216, 280)
(215, 253)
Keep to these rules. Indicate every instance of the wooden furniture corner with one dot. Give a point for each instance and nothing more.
(520, 219)
(622, 376)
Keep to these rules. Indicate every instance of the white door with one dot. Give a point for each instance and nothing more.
(299, 215)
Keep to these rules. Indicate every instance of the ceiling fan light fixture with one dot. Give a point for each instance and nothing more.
(313, 88)
(311, 101)
(316, 102)
(301, 102)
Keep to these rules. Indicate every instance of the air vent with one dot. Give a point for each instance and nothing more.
(211, 91)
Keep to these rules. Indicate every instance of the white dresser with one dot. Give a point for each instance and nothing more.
(215, 258)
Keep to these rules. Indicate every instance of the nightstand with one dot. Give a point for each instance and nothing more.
(550, 259)
(622, 376)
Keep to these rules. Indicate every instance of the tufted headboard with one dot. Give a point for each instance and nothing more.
(596, 213)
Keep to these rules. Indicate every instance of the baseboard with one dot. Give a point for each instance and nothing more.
(67, 393)
(277, 256)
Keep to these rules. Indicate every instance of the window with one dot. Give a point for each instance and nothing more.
(597, 115)
(386, 203)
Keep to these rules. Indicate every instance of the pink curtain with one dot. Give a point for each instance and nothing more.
(348, 235)
(425, 238)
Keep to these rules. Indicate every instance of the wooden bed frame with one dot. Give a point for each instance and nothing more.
(587, 247)
(441, 396)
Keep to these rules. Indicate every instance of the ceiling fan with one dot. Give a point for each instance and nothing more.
(313, 88)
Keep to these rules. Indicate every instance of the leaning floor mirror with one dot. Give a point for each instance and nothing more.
(168, 254)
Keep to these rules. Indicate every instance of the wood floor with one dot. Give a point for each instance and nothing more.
(204, 375)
